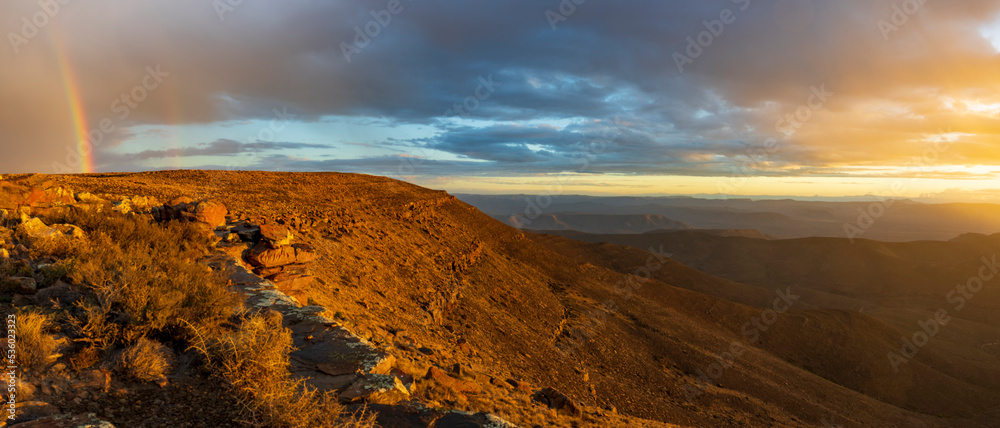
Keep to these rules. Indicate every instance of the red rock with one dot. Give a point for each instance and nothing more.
(304, 253)
(376, 389)
(458, 385)
(293, 269)
(558, 401)
(210, 212)
(519, 385)
(408, 381)
(263, 255)
(293, 283)
(301, 297)
(181, 200)
(276, 234)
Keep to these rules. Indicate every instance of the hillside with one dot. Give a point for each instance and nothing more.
(863, 299)
(442, 286)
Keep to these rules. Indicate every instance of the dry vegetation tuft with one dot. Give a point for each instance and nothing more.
(144, 277)
(254, 360)
(145, 361)
(35, 346)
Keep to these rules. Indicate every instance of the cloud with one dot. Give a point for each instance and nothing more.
(222, 147)
(607, 60)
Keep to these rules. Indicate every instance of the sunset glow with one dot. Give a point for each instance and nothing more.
(846, 98)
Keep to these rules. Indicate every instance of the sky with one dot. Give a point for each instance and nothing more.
(627, 97)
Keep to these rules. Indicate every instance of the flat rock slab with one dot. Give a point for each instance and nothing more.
(411, 414)
(375, 389)
(345, 355)
(325, 351)
(66, 421)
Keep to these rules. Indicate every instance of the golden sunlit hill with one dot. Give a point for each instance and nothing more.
(325, 299)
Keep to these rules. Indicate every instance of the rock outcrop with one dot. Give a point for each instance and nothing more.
(209, 212)
(37, 232)
(558, 401)
(273, 256)
(65, 421)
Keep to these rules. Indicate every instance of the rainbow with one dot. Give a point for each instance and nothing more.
(76, 108)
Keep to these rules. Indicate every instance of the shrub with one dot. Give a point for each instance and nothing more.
(145, 361)
(85, 358)
(254, 360)
(10, 268)
(144, 277)
(55, 272)
(35, 347)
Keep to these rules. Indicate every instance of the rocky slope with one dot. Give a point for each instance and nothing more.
(485, 318)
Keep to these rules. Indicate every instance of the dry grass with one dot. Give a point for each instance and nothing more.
(85, 358)
(144, 277)
(145, 361)
(35, 346)
(254, 360)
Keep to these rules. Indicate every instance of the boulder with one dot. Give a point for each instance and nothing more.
(304, 253)
(123, 206)
(137, 204)
(13, 195)
(34, 228)
(375, 389)
(32, 410)
(181, 200)
(88, 198)
(212, 213)
(21, 285)
(408, 381)
(457, 385)
(36, 231)
(558, 401)
(69, 231)
(519, 385)
(262, 255)
(275, 234)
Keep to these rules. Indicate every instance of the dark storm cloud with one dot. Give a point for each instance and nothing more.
(607, 60)
(217, 148)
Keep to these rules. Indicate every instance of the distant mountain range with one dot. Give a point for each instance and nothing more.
(884, 220)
